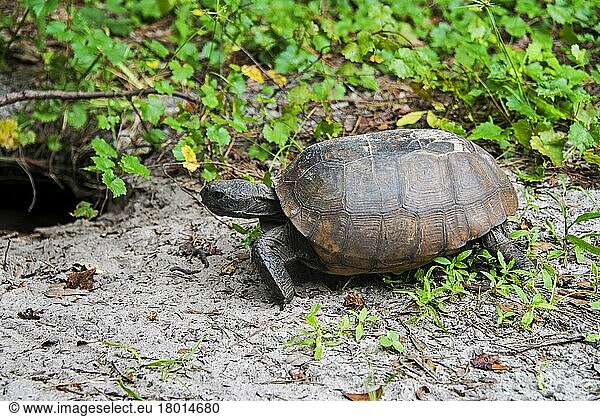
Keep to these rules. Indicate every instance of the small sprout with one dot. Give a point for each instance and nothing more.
(84, 209)
(391, 341)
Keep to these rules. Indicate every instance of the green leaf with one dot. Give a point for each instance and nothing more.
(158, 48)
(527, 319)
(359, 332)
(102, 163)
(441, 260)
(595, 305)
(581, 137)
(219, 135)
(102, 148)
(410, 118)
(550, 144)
(84, 209)
(385, 341)
(277, 133)
(260, 152)
(181, 73)
(78, 116)
(520, 293)
(523, 132)
(352, 52)
(210, 98)
(132, 165)
(592, 337)
(514, 25)
(583, 244)
(587, 216)
(152, 109)
(327, 128)
(115, 184)
(490, 131)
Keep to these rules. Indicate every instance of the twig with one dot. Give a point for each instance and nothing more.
(5, 262)
(26, 95)
(551, 343)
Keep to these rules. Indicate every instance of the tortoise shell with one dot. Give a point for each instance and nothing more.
(394, 200)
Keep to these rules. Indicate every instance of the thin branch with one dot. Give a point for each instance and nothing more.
(26, 95)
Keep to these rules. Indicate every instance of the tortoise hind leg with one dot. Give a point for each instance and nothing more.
(275, 257)
(496, 240)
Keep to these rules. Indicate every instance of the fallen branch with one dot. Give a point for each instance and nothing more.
(27, 95)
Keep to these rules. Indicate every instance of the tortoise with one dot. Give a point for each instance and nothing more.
(379, 202)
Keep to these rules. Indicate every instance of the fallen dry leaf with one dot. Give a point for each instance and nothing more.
(376, 395)
(58, 290)
(488, 362)
(83, 280)
(421, 392)
(228, 269)
(354, 300)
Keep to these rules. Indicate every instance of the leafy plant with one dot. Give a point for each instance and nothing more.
(362, 318)
(391, 341)
(85, 209)
(105, 163)
(320, 336)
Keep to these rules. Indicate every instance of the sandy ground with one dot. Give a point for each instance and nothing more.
(58, 343)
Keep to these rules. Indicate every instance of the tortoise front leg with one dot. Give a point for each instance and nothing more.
(496, 240)
(275, 257)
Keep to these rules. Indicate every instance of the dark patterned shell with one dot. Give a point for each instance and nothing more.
(393, 200)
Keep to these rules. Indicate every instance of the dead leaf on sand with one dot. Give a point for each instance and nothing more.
(367, 396)
(488, 362)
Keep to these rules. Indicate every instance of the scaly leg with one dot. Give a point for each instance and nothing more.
(496, 240)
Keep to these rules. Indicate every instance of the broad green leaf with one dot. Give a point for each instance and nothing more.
(352, 52)
(181, 73)
(132, 165)
(522, 131)
(102, 148)
(210, 98)
(441, 260)
(551, 144)
(581, 137)
(152, 109)
(410, 118)
(260, 152)
(277, 133)
(490, 131)
(102, 163)
(595, 305)
(219, 135)
(115, 184)
(84, 209)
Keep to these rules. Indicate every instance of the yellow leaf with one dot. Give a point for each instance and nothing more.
(8, 134)
(253, 72)
(376, 58)
(153, 63)
(410, 118)
(197, 12)
(190, 163)
(278, 79)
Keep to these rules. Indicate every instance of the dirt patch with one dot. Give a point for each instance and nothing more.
(150, 300)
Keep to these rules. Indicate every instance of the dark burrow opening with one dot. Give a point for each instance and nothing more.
(52, 204)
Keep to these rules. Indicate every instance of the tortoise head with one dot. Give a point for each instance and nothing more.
(240, 198)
